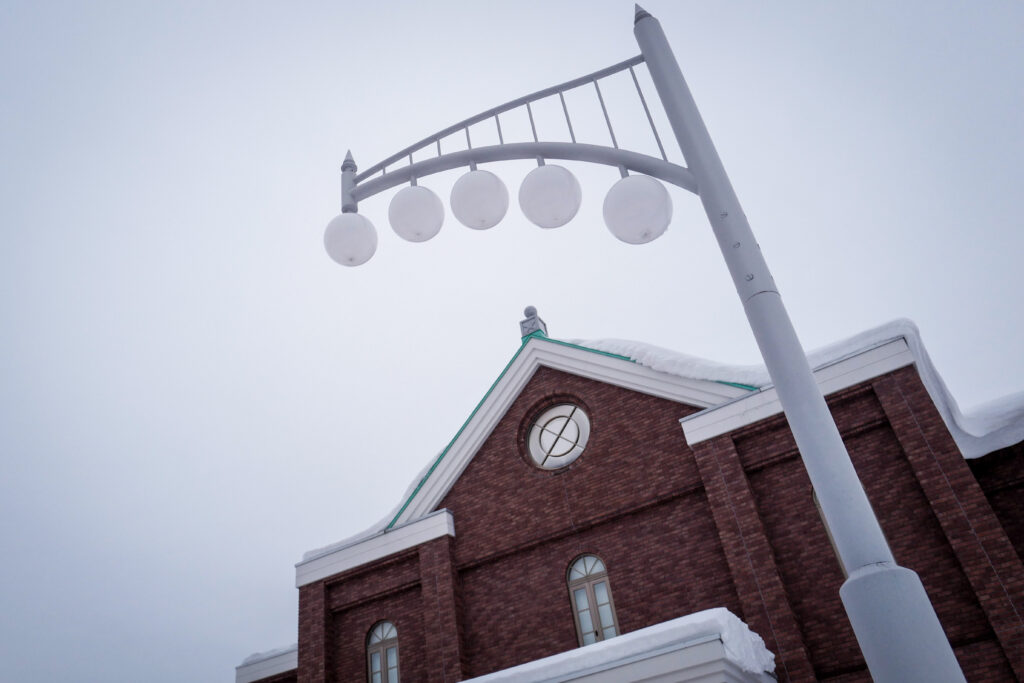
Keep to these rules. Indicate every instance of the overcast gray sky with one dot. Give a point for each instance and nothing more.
(192, 393)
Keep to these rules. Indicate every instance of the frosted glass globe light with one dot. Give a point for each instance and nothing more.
(416, 214)
(479, 200)
(550, 196)
(350, 239)
(637, 209)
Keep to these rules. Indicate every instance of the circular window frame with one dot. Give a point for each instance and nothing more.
(552, 449)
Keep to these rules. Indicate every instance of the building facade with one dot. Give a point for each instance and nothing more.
(601, 489)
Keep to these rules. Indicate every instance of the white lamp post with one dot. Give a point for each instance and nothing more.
(895, 624)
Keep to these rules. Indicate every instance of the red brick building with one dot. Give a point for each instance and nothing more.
(602, 488)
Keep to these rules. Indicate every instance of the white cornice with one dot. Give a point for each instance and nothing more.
(380, 545)
(831, 377)
(262, 666)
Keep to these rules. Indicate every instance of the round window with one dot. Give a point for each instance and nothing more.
(558, 436)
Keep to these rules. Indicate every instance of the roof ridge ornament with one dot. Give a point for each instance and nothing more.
(532, 324)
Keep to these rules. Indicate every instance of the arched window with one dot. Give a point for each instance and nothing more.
(382, 653)
(592, 605)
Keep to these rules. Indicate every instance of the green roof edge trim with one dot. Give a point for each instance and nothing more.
(587, 348)
(748, 387)
(533, 335)
(476, 408)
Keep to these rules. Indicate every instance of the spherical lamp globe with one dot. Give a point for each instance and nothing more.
(350, 239)
(550, 196)
(637, 209)
(416, 214)
(479, 200)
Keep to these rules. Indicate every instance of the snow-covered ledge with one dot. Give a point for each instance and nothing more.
(264, 664)
(996, 424)
(334, 559)
(712, 646)
(831, 377)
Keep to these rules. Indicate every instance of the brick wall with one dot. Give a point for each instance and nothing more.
(804, 557)
(992, 569)
(731, 522)
(417, 590)
(636, 454)
(634, 498)
(1001, 476)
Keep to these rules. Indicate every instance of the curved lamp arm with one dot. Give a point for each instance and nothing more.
(572, 151)
(359, 186)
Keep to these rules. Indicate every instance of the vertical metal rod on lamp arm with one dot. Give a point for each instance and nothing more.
(895, 624)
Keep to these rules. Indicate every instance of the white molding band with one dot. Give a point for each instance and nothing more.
(257, 666)
(831, 377)
(380, 545)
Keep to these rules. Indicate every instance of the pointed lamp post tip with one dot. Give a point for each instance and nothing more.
(641, 13)
(349, 164)
(348, 183)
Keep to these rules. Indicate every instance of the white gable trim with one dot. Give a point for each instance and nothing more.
(380, 545)
(831, 377)
(625, 373)
(256, 667)
(542, 352)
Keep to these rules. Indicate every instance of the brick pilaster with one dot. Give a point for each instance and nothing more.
(313, 631)
(981, 546)
(766, 609)
(441, 614)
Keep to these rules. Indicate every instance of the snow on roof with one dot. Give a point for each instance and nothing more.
(678, 363)
(742, 646)
(379, 526)
(269, 654)
(992, 426)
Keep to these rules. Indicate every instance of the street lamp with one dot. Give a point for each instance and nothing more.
(897, 629)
